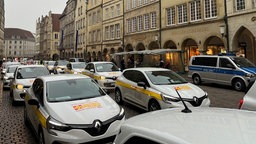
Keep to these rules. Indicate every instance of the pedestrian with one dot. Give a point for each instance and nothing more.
(161, 63)
(122, 64)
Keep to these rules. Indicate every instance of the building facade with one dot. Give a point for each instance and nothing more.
(81, 28)
(112, 27)
(242, 27)
(94, 32)
(67, 30)
(2, 25)
(19, 43)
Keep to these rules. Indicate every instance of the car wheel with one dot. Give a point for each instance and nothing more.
(118, 96)
(153, 105)
(12, 98)
(239, 85)
(41, 137)
(25, 116)
(196, 79)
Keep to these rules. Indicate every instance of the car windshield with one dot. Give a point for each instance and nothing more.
(31, 72)
(50, 63)
(106, 67)
(243, 62)
(11, 69)
(78, 65)
(73, 89)
(165, 77)
(61, 63)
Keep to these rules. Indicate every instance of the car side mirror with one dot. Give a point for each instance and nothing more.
(92, 70)
(142, 84)
(33, 102)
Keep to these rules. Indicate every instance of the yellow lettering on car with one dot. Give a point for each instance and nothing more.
(89, 105)
(184, 87)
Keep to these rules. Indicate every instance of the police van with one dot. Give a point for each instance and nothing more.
(220, 69)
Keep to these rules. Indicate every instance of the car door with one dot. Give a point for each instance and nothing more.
(33, 111)
(128, 85)
(225, 71)
(141, 94)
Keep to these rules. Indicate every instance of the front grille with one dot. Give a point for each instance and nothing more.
(91, 129)
(196, 103)
(100, 141)
(112, 84)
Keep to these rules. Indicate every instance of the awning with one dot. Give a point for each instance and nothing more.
(155, 51)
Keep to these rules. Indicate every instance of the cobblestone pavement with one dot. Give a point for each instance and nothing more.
(12, 128)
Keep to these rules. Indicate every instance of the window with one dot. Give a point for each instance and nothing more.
(118, 10)
(112, 12)
(225, 63)
(106, 13)
(134, 3)
(118, 31)
(128, 4)
(210, 9)
(205, 61)
(112, 32)
(98, 16)
(99, 35)
(146, 21)
(134, 24)
(94, 36)
(182, 13)
(140, 26)
(195, 10)
(129, 26)
(56, 36)
(240, 5)
(170, 16)
(107, 33)
(153, 20)
(139, 2)
(254, 2)
(145, 1)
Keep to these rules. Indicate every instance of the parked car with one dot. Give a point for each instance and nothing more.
(5, 65)
(71, 109)
(76, 60)
(50, 65)
(228, 70)
(154, 88)
(8, 75)
(23, 78)
(60, 66)
(248, 102)
(75, 67)
(105, 73)
(201, 126)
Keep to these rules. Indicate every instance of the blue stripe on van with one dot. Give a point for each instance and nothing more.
(250, 70)
(216, 70)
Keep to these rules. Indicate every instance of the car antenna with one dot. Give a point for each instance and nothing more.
(186, 110)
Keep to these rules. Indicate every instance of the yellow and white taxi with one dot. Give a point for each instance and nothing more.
(75, 67)
(23, 78)
(60, 66)
(71, 108)
(157, 88)
(105, 73)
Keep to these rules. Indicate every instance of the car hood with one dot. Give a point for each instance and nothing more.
(84, 111)
(202, 126)
(110, 74)
(186, 90)
(25, 82)
(78, 69)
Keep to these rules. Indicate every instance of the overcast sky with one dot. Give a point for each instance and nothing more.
(23, 14)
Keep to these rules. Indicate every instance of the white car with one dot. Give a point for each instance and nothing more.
(248, 102)
(201, 126)
(75, 67)
(155, 88)
(8, 75)
(50, 65)
(5, 65)
(71, 108)
(23, 78)
(60, 66)
(105, 73)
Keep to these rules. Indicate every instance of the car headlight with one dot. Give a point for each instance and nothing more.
(121, 114)
(169, 99)
(102, 78)
(53, 124)
(19, 86)
(249, 75)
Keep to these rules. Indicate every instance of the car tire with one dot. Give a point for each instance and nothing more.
(196, 79)
(118, 96)
(153, 105)
(14, 103)
(25, 116)
(239, 85)
(41, 136)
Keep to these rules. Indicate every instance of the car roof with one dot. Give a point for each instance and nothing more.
(203, 125)
(59, 77)
(148, 69)
(24, 66)
(100, 62)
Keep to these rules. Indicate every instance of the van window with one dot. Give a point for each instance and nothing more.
(204, 61)
(224, 63)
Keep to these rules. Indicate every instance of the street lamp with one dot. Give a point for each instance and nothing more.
(222, 30)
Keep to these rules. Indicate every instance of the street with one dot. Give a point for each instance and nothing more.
(13, 130)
